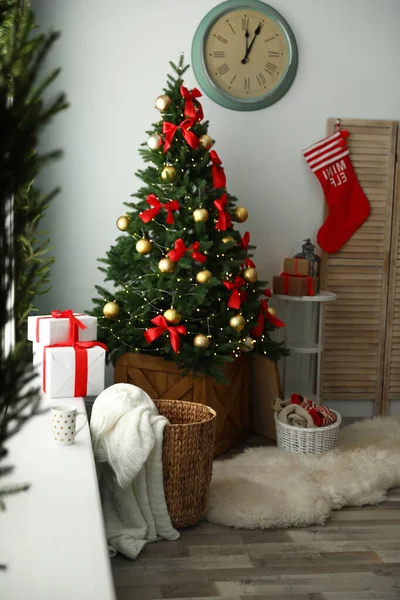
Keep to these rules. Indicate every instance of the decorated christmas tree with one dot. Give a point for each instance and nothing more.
(185, 286)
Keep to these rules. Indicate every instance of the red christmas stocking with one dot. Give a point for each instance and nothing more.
(348, 205)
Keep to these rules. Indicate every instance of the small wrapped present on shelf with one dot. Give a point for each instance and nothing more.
(73, 371)
(295, 285)
(298, 266)
(58, 327)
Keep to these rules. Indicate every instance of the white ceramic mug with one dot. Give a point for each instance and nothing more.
(64, 424)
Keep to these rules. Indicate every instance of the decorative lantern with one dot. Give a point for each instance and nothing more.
(308, 253)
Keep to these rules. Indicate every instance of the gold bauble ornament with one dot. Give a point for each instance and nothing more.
(206, 141)
(203, 276)
(163, 102)
(241, 214)
(144, 246)
(111, 310)
(166, 265)
(271, 311)
(123, 222)
(168, 173)
(248, 344)
(200, 215)
(237, 322)
(250, 275)
(201, 341)
(155, 141)
(173, 316)
(228, 239)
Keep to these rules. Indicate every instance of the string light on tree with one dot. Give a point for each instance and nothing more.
(111, 310)
(241, 214)
(123, 222)
(163, 102)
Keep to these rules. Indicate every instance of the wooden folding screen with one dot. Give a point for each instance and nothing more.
(356, 326)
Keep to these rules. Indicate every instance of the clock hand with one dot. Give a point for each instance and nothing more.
(256, 33)
(247, 35)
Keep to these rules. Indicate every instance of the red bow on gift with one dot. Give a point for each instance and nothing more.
(259, 328)
(224, 218)
(169, 130)
(245, 241)
(237, 296)
(192, 110)
(81, 363)
(74, 323)
(310, 290)
(148, 215)
(218, 173)
(180, 248)
(161, 327)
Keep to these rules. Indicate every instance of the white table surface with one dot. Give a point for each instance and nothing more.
(52, 537)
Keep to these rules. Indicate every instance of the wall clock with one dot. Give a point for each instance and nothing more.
(244, 55)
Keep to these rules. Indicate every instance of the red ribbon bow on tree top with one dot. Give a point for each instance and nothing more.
(224, 218)
(245, 241)
(161, 327)
(258, 329)
(193, 108)
(148, 215)
(180, 248)
(218, 173)
(237, 295)
(169, 130)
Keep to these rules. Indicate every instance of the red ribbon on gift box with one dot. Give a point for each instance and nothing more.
(237, 295)
(169, 130)
(81, 364)
(161, 327)
(310, 291)
(193, 108)
(153, 201)
(180, 249)
(74, 323)
(218, 173)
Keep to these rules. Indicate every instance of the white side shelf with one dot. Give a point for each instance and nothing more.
(322, 296)
(300, 349)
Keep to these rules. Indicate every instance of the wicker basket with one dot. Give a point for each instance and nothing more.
(307, 441)
(187, 458)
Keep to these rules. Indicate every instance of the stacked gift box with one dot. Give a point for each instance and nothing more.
(70, 362)
(297, 279)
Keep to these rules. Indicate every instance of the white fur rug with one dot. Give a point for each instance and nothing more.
(266, 487)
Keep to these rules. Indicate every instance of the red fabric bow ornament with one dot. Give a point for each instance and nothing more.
(262, 315)
(224, 218)
(193, 108)
(180, 249)
(267, 292)
(162, 327)
(245, 241)
(237, 295)
(218, 173)
(169, 130)
(148, 215)
(248, 263)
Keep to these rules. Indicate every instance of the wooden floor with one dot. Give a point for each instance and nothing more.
(356, 556)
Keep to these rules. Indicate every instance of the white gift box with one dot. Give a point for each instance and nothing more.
(49, 330)
(60, 370)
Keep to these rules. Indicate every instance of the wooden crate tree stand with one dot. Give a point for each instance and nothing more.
(161, 379)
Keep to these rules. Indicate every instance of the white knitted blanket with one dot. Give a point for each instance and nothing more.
(127, 435)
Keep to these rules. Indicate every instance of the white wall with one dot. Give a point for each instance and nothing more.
(114, 58)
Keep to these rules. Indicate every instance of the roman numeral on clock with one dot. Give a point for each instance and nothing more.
(219, 54)
(222, 39)
(223, 69)
(245, 24)
(247, 83)
(261, 79)
(272, 53)
(270, 68)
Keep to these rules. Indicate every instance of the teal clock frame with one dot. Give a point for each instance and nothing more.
(200, 70)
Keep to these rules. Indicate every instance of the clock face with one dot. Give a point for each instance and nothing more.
(244, 55)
